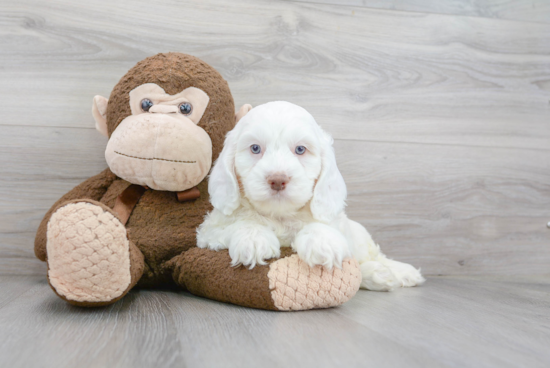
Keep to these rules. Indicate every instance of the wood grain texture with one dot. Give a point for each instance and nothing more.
(452, 209)
(378, 75)
(441, 121)
(449, 322)
(522, 10)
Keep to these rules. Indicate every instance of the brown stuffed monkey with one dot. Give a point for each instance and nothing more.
(134, 223)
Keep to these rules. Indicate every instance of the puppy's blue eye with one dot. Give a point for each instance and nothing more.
(146, 104)
(300, 150)
(255, 149)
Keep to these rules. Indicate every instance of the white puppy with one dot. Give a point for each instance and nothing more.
(276, 184)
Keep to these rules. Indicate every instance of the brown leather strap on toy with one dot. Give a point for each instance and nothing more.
(189, 194)
(127, 200)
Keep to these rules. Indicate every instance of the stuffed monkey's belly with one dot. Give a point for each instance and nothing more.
(162, 228)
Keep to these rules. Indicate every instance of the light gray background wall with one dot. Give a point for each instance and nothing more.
(439, 110)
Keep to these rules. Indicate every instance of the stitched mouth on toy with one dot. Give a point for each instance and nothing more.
(155, 158)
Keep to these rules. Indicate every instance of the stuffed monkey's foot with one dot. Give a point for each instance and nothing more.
(91, 262)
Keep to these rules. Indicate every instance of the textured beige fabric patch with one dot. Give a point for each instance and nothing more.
(99, 109)
(88, 253)
(160, 151)
(296, 286)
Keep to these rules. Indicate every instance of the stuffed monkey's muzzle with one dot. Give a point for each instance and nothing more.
(160, 151)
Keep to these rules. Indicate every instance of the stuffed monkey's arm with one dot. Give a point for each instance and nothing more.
(93, 188)
(283, 284)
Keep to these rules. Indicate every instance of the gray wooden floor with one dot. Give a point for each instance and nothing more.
(449, 322)
(440, 113)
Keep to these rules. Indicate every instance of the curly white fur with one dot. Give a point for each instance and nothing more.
(253, 221)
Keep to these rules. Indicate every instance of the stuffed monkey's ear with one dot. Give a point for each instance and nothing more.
(242, 112)
(99, 111)
(223, 188)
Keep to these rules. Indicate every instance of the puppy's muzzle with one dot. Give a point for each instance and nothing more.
(278, 182)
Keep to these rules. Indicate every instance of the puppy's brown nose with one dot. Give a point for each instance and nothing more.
(278, 181)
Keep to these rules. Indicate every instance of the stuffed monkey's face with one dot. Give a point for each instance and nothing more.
(160, 144)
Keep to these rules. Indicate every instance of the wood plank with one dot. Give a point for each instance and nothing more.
(39, 165)
(464, 322)
(529, 11)
(452, 209)
(447, 209)
(23, 266)
(17, 255)
(176, 329)
(377, 75)
(14, 286)
(448, 322)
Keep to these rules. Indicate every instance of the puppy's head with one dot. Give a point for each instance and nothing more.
(281, 160)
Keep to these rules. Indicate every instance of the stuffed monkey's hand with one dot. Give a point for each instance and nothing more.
(283, 284)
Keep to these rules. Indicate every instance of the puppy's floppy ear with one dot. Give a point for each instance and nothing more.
(222, 185)
(329, 194)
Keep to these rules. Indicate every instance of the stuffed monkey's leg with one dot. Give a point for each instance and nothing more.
(91, 262)
(91, 189)
(284, 284)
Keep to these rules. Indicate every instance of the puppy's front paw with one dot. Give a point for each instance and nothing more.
(251, 245)
(319, 244)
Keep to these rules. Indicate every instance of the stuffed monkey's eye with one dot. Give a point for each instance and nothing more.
(255, 149)
(300, 150)
(186, 108)
(146, 104)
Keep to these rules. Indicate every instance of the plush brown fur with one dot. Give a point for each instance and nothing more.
(206, 274)
(160, 226)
